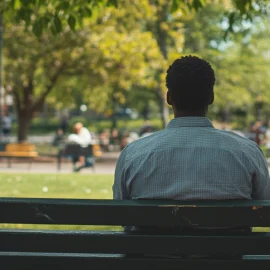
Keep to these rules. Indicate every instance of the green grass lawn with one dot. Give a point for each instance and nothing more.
(83, 186)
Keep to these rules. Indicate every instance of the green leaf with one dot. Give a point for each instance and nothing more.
(53, 29)
(197, 4)
(72, 22)
(58, 24)
(15, 4)
(64, 5)
(45, 20)
(242, 5)
(231, 21)
(12, 3)
(25, 15)
(87, 12)
(26, 3)
(38, 28)
(112, 3)
(174, 6)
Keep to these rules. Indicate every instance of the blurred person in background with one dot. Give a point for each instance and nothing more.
(124, 139)
(133, 136)
(266, 140)
(147, 131)
(114, 140)
(64, 123)
(259, 131)
(82, 137)
(58, 138)
(6, 125)
(146, 128)
(104, 140)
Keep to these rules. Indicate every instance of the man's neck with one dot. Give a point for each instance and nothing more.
(189, 113)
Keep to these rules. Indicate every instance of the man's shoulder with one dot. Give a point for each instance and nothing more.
(235, 140)
(236, 136)
(147, 141)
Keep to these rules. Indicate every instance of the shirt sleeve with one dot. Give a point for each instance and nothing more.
(119, 187)
(261, 180)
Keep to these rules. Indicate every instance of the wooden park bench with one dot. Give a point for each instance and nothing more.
(149, 250)
(91, 151)
(19, 150)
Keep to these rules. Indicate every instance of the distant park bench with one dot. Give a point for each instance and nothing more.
(68, 150)
(19, 150)
(86, 249)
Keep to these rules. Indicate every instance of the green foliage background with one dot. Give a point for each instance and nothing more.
(68, 53)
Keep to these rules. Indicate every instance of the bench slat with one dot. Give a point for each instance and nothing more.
(108, 212)
(20, 150)
(126, 243)
(20, 147)
(18, 154)
(81, 261)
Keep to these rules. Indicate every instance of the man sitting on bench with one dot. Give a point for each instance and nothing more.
(190, 159)
(81, 136)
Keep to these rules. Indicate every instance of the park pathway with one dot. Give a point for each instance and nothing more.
(105, 165)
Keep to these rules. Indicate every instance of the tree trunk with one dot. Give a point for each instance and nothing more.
(26, 103)
(161, 35)
(24, 121)
(163, 108)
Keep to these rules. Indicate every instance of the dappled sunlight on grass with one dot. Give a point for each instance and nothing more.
(79, 186)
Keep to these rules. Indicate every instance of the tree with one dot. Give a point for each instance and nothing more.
(33, 67)
(241, 64)
(155, 38)
(54, 15)
(125, 63)
(50, 22)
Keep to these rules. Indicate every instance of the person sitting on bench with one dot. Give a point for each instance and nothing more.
(190, 159)
(81, 136)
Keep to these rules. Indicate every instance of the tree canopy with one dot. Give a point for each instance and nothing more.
(112, 54)
(54, 15)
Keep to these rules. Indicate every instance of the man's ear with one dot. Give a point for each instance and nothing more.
(169, 99)
(212, 98)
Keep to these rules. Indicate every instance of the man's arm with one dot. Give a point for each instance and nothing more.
(119, 187)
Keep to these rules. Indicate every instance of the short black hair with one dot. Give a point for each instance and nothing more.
(190, 82)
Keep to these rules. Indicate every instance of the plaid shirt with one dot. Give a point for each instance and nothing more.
(191, 160)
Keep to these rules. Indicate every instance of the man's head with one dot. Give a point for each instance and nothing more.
(77, 127)
(190, 82)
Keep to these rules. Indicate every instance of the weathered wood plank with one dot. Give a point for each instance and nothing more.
(35, 261)
(131, 243)
(139, 213)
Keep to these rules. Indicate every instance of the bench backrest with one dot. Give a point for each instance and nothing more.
(135, 212)
(73, 248)
(20, 147)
